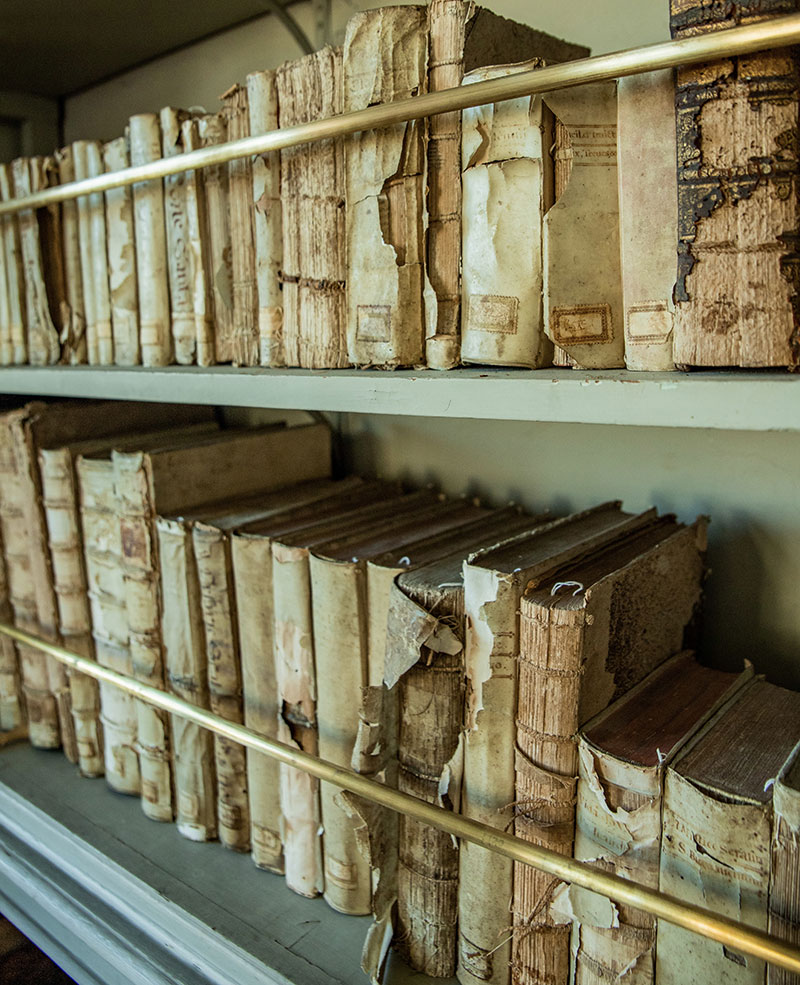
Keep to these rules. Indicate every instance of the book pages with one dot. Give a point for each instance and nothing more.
(15, 278)
(784, 898)
(648, 215)
(385, 54)
(505, 187)
(155, 334)
(199, 248)
(583, 296)
(262, 99)
(73, 317)
(122, 282)
(179, 254)
(213, 129)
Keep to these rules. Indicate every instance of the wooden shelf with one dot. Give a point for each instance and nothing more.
(740, 401)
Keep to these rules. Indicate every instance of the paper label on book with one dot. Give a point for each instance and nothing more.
(583, 324)
(648, 322)
(594, 144)
(492, 313)
(374, 322)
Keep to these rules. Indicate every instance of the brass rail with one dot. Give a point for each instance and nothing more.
(774, 33)
(735, 935)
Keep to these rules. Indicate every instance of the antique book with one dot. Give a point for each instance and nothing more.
(784, 898)
(463, 37)
(41, 333)
(648, 216)
(507, 184)
(162, 480)
(385, 59)
(213, 129)
(73, 319)
(179, 253)
(15, 278)
(716, 831)
(6, 352)
(11, 707)
(122, 284)
(243, 242)
(494, 582)
(623, 754)
(262, 97)
(87, 159)
(251, 553)
(44, 174)
(313, 216)
(80, 166)
(155, 333)
(582, 298)
(199, 248)
(736, 291)
(589, 631)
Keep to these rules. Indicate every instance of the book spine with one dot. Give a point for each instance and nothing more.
(197, 219)
(122, 260)
(9, 224)
(179, 255)
(11, 714)
(385, 54)
(6, 349)
(42, 336)
(184, 655)
(551, 658)
(312, 199)
(242, 209)
(73, 344)
(583, 299)
(447, 21)
(99, 259)
(102, 545)
(140, 573)
(151, 246)
(59, 499)
(252, 567)
(213, 129)
(736, 292)
(297, 722)
(784, 889)
(215, 579)
(81, 171)
(262, 99)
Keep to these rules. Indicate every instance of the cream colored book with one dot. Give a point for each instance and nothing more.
(716, 832)
(122, 283)
(507, 184)
(15, 278)
(11, 706)
(73, 337)
(87, 159)
(623, 754)
(162, 480)
(243, 242)
(648, 215)
(313, 216)
(155, 334)
(583, 309)
(385, 55)
(784, 898)
(80, 163)
(494, 581)
(179, 252)
(262, 98)
(213, 129)
(199, 246)
(6, 348)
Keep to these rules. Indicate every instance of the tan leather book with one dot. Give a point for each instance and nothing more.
(313, 216)
(262, 97)
(716, 831)
(623, 754)
(122, 282)
(12, 252)
(784, 897)
(213, 129)
(648, 216)
(736, 291)
(73, 318)
(155, 335)
(385, 55)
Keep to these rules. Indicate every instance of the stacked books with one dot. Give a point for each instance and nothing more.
(402, 245)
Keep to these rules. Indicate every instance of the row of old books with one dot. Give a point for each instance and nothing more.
(543, 229)
(435, 645)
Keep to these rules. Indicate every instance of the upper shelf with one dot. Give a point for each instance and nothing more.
(739, 401)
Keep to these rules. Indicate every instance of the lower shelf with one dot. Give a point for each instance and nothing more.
(117, 899)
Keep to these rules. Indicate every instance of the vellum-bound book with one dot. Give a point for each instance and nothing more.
(582, 277)
(73, 321)
(784, 884)
(385, 55)
(648, 216)
(213, 129)
(589, 631)
(313, 216)
(199, 248)
(11, 713)
(623, 754)
(122, 283)
(716, 835)
(262, 98)
(155, 334)
(15, 344)
(88, 162)
(494, 582)
(507, 185)
(736, 293)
